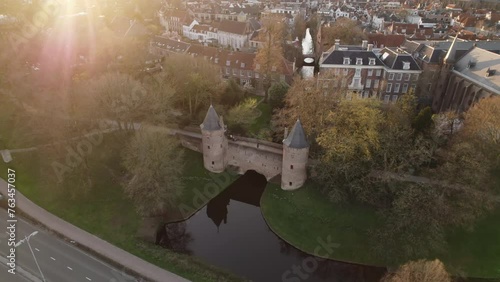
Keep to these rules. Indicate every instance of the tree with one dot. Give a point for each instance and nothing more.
(155, 164)
(242, 115)
(299, 27)
(347, 148)
(306, 101)
(120, 98)
(277, 94)
(347, 30)
(419, 271)
(196, 81)
(233, 94)
(482, 126)
(269, 59)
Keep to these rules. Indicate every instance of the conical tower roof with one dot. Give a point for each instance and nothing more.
(211, 121)
(297, 138)
(450, 55)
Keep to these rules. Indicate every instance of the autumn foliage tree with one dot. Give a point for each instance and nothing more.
(269, 59)
(347, 30)
(419, 271)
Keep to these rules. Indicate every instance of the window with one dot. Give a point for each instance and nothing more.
(358, 72)
(414, 77)
(347, 61)
(346, 71)
(372, 62)
(370, 72)
(242, 72)
(355, 81)
(337, 71)
(273, 68)
(216, 60)
(396, 87)
(235, 72)
(366, 94)
(406, 65)
(290, 183)
(249, 74)
(387, 98)
(399, 76)
(375, 83)
(359, 61)
(242, 65)
(213, 162)
(389, 88)
(368, 83)
(394, 98)
(391, 76)
(406, 76)
(379, 72)
(228, 63)
(405, 88)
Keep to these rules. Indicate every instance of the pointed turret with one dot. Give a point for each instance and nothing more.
(214, 142)
(211, 121)
(450, 55)
(297, 137)
(295, 157)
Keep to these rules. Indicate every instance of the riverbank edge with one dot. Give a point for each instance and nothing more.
(285, 238)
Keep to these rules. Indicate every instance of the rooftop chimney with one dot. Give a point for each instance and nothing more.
(370, 47)
(364, 44)
(337, 44)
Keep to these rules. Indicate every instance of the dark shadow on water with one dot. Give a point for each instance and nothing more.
(231, 233)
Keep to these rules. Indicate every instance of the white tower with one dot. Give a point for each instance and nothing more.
(214, 142)
(295, 156)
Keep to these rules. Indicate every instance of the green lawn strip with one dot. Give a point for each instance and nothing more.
(302, 216)
(263, 120)
(106, 212)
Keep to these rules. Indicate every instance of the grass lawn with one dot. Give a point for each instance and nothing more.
(105, 212)
(302, 216)
(263, 121)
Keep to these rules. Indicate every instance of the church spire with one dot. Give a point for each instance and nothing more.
(450, 55)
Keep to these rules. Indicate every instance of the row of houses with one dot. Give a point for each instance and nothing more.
(240, 66)
(387, 73)
(449, 75)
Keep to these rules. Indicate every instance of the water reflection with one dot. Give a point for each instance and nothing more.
(231, 233)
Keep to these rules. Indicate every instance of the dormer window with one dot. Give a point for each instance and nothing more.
(347, 61)
(372, 62)
(228, 63)
(359, 61)
(406, 65)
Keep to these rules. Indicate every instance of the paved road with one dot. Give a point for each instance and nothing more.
(5, 276)
(59, 261)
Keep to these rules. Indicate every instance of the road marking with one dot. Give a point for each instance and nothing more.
(52, 258)
(37, 249)
(88, 278)
(69, 268)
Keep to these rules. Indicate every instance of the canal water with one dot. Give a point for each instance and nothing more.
(231, 233)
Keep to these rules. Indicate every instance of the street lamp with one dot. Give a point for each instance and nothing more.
(27, 239)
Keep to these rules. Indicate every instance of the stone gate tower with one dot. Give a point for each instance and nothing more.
(295, 156)
(214, 142)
